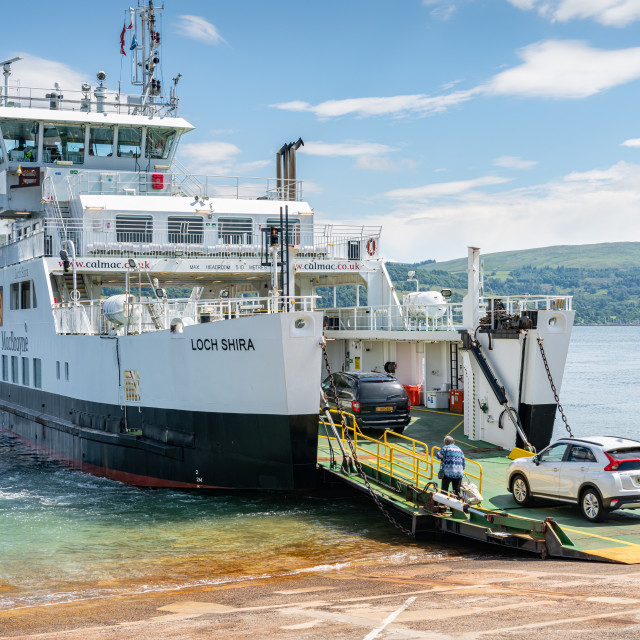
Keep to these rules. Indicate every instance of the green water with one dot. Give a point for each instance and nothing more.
(67, 536)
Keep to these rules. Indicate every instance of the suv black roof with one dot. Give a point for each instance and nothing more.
(370, 376)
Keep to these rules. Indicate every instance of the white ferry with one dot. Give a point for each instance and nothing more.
(103, 369)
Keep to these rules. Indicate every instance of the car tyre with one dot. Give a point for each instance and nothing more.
(591, 506)
(398, 429)
(520, 490)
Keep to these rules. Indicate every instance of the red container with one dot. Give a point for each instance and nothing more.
(413, 391)
(456, 400)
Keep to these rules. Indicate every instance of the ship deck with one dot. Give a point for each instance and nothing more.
(617, 539)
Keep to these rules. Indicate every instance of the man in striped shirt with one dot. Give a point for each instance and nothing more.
(452, 465)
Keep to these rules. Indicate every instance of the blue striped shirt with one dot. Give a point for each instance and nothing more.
(452, 461)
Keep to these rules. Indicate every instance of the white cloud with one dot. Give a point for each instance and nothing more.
(369, 156)
(632, 142)
(514, 162)
(40, 73)
(213, 157)
(566, 69)
(440, 189)
(200, 29)
(376, 106)
(344, 148)
(566, 211)
(442, 9)
(611, 13)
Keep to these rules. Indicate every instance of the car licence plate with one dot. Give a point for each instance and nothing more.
(384, 408)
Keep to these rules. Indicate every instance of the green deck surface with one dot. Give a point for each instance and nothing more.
(617, 539)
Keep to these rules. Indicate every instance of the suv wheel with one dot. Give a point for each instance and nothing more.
(520, 490)
(591, 505)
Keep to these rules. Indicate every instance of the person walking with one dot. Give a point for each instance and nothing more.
(451, 465)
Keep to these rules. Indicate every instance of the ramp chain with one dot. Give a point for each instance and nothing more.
(553, 388)
(359, 468)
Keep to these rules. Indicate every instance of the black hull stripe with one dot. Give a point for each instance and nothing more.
(166, 447)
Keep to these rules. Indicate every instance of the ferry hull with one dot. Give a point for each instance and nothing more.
(220, 450)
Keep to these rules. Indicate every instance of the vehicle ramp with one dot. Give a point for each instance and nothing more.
(401, 476)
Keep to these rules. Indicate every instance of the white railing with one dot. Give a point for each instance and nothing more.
(24, 248)
(95, 100)
(156, 180)
(196, 238)
(147, 315)
(514, 305)
(440, 317)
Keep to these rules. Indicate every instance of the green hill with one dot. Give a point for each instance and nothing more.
(603, 278)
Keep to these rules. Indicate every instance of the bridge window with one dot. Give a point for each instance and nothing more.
(25, 372)
(129, 142)
(101, 141)
(20, 140)
(134, 228)
(186, 229)
(63, 143)
(235, 230)
(14, 370)
(159, 142)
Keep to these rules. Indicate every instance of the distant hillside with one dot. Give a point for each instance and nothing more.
(603, 278)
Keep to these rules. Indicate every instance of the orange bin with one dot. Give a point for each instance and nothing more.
(456, 400)
(413, 391)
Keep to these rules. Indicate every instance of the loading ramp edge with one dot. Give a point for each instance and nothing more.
(544, 537)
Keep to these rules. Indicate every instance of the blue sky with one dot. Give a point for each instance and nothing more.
(504, 124)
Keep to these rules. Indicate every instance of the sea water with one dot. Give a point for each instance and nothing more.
(600, 392)
(67, 536)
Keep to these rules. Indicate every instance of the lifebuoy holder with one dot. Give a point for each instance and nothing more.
(371, 246)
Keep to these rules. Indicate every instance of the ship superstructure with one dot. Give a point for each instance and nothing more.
(105, 368)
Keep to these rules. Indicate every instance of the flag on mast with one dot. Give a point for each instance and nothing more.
(122, 51)
(132, 25)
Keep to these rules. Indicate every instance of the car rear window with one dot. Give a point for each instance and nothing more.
(380, 390)
(625, 454)
(629, 465)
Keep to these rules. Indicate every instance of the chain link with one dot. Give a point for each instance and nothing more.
(355, 460)
(553, 387)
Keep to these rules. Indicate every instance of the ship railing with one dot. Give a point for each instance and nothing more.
(28, 246)
(157, 180)
(198, 237)
(494, 306)
(440, 317)
(145, 315)
(96, 99)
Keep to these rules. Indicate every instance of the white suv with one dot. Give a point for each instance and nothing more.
(599, 473)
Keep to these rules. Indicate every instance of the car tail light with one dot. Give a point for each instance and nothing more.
(355, 405)
(408, 404)
(613, 463)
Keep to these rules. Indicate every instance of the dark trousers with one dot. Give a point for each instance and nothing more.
(455, 484)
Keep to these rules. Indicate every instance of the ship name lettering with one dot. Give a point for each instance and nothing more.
(226, 344)
(237, 344)
(14, 343)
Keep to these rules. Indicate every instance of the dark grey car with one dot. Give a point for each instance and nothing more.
(377, 400)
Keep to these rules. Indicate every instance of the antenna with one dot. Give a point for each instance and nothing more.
(6, 65)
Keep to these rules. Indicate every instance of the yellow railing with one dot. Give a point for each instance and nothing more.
(477, 467)
(403, 458)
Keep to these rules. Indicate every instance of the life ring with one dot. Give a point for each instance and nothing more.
(371, 246)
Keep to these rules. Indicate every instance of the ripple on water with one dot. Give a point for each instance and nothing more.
(67, 536)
